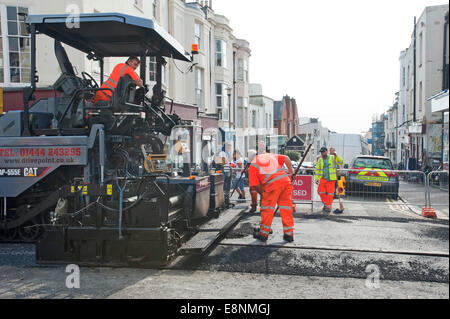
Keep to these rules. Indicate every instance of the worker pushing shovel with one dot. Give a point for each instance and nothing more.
(265, 170)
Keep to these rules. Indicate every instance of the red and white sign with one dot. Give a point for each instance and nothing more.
(303, 188)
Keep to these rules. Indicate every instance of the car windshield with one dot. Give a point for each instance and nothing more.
(372, 163)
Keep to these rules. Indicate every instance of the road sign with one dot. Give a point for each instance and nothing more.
(303, 188)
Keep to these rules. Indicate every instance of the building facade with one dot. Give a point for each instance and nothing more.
(311, 131)
(209, 91)
(422, 76)
(391, 135)
(378, 135)
(260, 115)
(286, 118)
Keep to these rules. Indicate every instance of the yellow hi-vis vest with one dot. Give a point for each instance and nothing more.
(332, 161)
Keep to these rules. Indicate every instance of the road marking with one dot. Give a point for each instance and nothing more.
(402, 209)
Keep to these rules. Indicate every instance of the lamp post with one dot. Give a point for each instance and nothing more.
(229, 92)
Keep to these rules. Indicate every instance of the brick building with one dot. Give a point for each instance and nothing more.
(286, 119)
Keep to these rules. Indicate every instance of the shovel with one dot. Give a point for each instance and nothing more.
(341, 205)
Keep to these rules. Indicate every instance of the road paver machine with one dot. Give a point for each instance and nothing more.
(91, 181)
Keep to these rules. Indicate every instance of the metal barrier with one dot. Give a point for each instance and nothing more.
(437, 184)
(377, 186)
(384, 187)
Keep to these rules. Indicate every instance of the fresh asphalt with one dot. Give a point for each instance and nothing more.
(332, 257)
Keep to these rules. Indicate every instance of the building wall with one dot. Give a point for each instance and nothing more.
(429, 67)
(288, 124)
(262, 107)
(314, 133)
(179, 19)
(402, 111)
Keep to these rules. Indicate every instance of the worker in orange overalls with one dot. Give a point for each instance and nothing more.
(267, 174)
(120, 70)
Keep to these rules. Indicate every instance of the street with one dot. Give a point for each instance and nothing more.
(376, 250)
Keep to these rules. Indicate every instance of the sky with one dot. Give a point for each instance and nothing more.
(338, 59)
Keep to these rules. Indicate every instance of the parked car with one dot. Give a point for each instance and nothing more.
(372, 174)
(307, 168)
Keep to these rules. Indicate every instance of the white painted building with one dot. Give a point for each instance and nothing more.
(402, 109)
(423, 80)
(260, 115)
(208, 86)
(312, 132)
(390, 128)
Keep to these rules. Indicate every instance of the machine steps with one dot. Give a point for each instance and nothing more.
(212, 231)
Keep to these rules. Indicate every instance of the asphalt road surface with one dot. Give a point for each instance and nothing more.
(381, 249)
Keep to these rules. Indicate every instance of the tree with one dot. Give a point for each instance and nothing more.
(294, 156)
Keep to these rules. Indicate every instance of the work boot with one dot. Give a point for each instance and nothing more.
(338, 211)
(253, 210)
(288, 238)
(260, 237)
(256, 231)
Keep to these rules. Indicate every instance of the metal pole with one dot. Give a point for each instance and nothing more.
(4, 208)
(415, 70)
(102, 70)
(102, 155)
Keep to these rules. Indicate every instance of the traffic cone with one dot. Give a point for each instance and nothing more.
(428, 212)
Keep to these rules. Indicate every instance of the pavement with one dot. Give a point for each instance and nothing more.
(413, 195)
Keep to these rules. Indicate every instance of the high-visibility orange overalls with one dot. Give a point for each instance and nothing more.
(119, 71)
(267, 169)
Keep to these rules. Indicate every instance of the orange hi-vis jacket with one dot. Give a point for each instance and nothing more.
(119, 72)
(267, 169)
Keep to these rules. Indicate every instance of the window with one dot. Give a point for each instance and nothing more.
(243, 70)
(408, 79)
(246, 71)
(253, 118)
(198, 35)
(240, 69)
(420, 49)
(222, 102)
(240, 117)
(155, 8)
(221, 53)
(164, 76)
(152, 69)
(199, 89)
(15, 57)
(420, 96)
(403, 77)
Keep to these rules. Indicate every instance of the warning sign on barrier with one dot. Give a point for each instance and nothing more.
(303, 188)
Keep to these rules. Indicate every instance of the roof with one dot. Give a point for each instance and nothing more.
(295, 141)
(110, 35)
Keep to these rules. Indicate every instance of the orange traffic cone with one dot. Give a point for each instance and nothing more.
(428, 212)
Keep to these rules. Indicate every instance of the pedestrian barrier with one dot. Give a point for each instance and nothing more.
(437, 192)
(417, 191)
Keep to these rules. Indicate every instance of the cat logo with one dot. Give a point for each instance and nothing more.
(30, 172)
